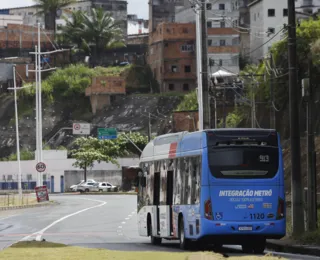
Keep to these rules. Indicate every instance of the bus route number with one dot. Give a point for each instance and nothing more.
(257, 216)
(264, 158)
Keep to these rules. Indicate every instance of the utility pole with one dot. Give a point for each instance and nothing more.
(204, 72)
(199, 67)
(253, 106)
(17, 133)
(312, 175)
(272, 109)
(149, 128)
(224, 107)
(296, 178)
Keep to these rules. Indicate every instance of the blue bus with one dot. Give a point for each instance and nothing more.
(216, 187)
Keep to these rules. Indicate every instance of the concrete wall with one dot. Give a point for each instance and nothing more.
(74, 177)
(57, 164)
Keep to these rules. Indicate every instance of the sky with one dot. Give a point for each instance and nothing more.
(139, 7)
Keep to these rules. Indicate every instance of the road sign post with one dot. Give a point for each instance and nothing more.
(107, 133)
(81, 129)
(41, 167)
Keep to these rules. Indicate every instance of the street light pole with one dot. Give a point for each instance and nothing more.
(37, 112)
(17, 132)
(199, 67)
(40, 100)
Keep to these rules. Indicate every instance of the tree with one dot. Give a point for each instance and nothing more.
(87, 152)
(101, 31)
(189, 102)
(71, 31)
(50, 8)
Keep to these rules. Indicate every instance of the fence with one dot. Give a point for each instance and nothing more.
(13, 199)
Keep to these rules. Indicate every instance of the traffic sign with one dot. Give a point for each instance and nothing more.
(81, 129)
(41, 167)
(107, 133)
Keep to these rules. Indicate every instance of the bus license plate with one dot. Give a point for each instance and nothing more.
(245, 228)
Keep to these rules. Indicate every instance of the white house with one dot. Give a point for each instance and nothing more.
(267, 19)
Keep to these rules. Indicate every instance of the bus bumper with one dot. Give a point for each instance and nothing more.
(237, 230)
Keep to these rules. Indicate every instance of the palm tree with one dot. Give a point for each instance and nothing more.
(50, 8)
(71, 31)
(101, 31)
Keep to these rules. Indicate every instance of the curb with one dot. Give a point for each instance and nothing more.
(100, 193)
(294, 249)
(30, 206)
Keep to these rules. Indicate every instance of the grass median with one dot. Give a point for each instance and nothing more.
(52, 251)
(13, 200)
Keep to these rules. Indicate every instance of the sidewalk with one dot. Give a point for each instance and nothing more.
(288, 245)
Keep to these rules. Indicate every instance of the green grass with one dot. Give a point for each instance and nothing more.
(53, 251)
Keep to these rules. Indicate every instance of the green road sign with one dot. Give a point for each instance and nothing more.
(107, 133)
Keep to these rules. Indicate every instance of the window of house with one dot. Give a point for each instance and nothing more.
(220, 62)
(254, 17)
(185, 87)
(211, 62)
(209, 42)
(285, 12)
(222, 24)
(271, 30)
(222, 42)
(174, 68)
(166, 44)
(221, 6)
(209, 24)
(187, 68)
(187, 47)
(209, 6)
(171, 87)
(185, 30)
(271, 12)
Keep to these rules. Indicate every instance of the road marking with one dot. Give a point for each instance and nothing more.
(8, 217)
(40, 233)
(123, 222)
(120, 227)
(127, 218)
(130, 216)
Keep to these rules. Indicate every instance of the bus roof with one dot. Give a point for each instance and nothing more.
(188, 143)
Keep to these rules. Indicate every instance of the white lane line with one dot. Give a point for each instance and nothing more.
(123, 222)
(40, 233)
(9, 217)
(120, 227)
(127, 218)
(130, 216)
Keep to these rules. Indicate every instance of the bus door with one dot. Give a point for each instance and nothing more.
(156, 202)
(166, 223)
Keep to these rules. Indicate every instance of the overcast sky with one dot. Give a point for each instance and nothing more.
(139, 7)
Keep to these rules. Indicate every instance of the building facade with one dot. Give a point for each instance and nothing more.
(223, 35)
(137, 26)
(117, 9)
(172, 56)
(267, 19)
(162, 11)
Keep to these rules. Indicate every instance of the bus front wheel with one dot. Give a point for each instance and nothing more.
(184, 242)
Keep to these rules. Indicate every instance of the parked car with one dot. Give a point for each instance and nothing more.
(87, 186)
(75, 187)
(107, 186)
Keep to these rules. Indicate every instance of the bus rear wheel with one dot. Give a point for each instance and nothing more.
(259, 246)
(184, 242)
(154, 240)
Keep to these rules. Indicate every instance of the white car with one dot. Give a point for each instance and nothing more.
(76, 187)
(107, 186)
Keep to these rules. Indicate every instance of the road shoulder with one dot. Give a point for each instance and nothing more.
(291, 246)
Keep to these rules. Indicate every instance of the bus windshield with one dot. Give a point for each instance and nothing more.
(243, 162)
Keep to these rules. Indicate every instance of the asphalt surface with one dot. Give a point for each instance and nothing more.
(93, 221)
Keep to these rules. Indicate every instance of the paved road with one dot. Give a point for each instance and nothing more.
(101, 221)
